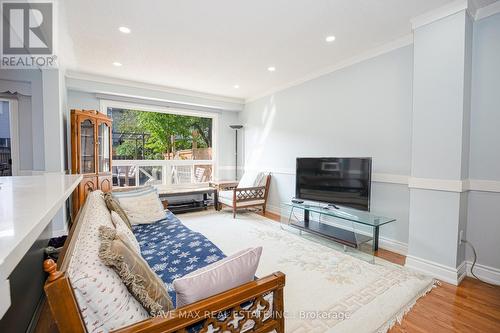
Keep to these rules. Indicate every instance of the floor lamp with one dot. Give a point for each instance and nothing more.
(236, 128)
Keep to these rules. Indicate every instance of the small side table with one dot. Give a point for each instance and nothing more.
(175, 198)
(221, 185)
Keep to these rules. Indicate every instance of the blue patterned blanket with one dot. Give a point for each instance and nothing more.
(173, 250)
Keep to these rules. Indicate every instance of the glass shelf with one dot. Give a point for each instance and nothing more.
(347, 227)
(345, 213)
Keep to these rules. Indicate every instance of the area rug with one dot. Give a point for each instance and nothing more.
(326, 290)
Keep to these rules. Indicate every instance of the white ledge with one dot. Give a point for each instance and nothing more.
(27, 206)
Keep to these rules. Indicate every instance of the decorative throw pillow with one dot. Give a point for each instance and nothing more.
(122, 228)
(262, 179)
(134, 271)
(215, 278)
(114, 206)
(142, 206)
(249, 179)
(103, 309)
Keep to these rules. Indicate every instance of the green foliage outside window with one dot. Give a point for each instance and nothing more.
(155, 135)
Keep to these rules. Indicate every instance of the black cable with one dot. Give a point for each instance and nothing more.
(474, 263)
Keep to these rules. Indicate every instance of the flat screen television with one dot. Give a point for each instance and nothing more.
(344, 181)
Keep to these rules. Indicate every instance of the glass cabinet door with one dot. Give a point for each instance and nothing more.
(87, 158)
(104, 149)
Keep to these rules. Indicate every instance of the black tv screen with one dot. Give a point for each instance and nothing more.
(344, 181)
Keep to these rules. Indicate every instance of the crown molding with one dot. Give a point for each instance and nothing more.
(385, 48)
(487, 11)
(442, 12)
(148, 86)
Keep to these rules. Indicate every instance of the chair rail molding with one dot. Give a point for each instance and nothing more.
(448, 185)
(483, 185)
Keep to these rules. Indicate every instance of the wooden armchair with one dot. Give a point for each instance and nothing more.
(244, 197)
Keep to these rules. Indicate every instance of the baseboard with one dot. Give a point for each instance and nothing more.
(461, 272)
(441, 272)
(393, 245)
(273, 209)
(485, 273)
(384, 242)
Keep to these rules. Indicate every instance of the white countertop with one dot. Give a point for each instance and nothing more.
(27, 205)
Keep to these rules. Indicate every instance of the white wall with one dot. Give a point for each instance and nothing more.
(483, 226)
(362, 110)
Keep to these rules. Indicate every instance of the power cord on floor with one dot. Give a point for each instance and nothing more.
(474, 263)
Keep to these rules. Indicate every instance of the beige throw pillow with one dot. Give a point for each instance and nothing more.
(114, 206)
(215, 278)
(141, 206)
(123, 229)
(116, 252)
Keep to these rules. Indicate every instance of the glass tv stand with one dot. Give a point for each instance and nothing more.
(350, 227)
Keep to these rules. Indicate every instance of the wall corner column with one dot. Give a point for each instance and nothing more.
(440, 146)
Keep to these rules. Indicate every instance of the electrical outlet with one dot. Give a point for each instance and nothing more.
(461, 236)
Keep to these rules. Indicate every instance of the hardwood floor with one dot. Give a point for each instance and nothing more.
(472, 307)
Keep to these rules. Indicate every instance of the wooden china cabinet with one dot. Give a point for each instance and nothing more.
(91, 153)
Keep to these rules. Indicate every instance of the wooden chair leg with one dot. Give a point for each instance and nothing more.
(264, 210)
(234, 212)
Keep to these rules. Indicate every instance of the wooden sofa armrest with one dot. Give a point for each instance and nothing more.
(206, 310)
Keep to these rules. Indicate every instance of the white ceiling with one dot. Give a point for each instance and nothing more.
(211, 45)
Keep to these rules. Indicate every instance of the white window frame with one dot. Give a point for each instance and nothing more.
(104, 104)
(14, 133)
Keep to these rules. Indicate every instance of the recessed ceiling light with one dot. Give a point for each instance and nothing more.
(117, 64)
(330, 39)
(125, 30)
(271, 68)
(236, 86)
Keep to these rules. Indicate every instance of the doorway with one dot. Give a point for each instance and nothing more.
(8, 138)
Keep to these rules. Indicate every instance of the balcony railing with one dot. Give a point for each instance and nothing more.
(166, 172)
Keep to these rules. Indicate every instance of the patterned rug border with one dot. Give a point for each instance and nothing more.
(398, 317)
(395, 318)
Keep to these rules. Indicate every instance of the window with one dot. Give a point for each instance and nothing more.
(160, 146)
